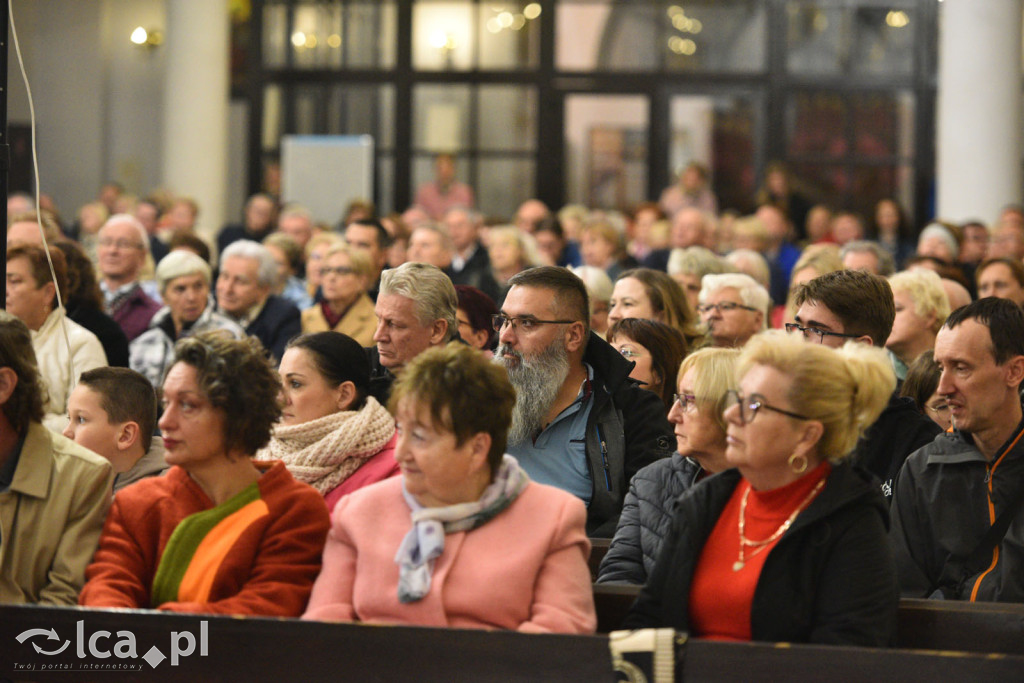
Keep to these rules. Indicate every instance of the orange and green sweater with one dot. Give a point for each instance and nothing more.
(166, 546)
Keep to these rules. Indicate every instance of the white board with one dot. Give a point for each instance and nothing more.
(326, 172)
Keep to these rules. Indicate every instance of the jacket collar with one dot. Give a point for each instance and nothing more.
(32, 478)
(610, 367)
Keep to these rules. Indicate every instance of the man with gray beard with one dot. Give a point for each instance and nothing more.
(580, 423)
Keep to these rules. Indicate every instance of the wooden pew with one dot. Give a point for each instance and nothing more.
(598, 549)
(923, 624)
(255, 649)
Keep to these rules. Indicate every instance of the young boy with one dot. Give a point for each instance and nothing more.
(112, 412)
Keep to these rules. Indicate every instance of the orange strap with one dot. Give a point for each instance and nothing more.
(992, 516)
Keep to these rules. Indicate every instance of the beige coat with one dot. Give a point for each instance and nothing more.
(50, 519)
(359, 323)
(52, 357)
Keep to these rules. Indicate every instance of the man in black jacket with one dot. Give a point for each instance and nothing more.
(580, 423)
(247, 272)
(854, 304)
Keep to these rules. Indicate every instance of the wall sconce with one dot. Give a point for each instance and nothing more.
(144, 38)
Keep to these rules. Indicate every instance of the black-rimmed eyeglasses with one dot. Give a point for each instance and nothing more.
(809, 332)
(750, 405)
(498, 321)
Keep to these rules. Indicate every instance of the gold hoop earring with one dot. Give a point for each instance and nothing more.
(802, 467)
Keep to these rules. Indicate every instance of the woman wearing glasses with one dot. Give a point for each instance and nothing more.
(791, 545)
(346, 307)
(656, 351)
(696, 411)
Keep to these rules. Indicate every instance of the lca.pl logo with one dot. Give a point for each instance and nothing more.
(99, 645)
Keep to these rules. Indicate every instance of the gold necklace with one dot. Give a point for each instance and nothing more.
(761, 545)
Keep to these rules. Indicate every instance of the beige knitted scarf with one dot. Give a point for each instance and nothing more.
(325, 452)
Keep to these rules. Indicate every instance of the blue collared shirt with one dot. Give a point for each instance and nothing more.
(558, 455)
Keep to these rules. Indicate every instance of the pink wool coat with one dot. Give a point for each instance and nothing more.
(524, 570)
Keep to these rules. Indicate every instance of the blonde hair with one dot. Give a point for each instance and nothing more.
(528, 253)
(358, 258)
(714, 375)
(845, 389)
(925, 288)
(824, 258)
(322, 238)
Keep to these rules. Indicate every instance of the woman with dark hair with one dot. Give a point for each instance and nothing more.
(219, 533)
(84, 304)
(921, 384)
(653, 295)
(474, 318)
(464, 539)
(656, 351)
(892, 230)
(333, 435)
(32, 296)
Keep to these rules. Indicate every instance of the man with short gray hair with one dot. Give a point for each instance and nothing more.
(733, 307)
(869, 256)
(121, 250)
(247, 275)
(415, 311)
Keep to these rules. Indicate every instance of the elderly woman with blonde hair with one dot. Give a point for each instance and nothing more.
(705, 377)
(922, 306)
(791, 544)
(463, 539)
(346, 307)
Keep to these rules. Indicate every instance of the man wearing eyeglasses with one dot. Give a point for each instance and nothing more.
(733, 307)
(579, 423)
(854, 305)
(121, 250)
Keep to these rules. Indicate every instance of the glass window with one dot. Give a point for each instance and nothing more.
(648, 35)
(883, 40)
(815, 36)
(817, 123)
(503, 183)
(275, 36)
(506, 118)
(509, 35)
(606, 150)
(441, 117)
(371, 34)
(273, 117)
(718, 131)
(316, 36)
(442, 35)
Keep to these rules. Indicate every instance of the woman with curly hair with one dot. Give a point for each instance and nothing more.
(219, 533)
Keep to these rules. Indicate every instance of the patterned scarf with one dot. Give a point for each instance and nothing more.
(326, 451)
(425, 541)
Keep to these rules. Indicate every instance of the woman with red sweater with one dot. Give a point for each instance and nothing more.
(791, 544)
(218, 533)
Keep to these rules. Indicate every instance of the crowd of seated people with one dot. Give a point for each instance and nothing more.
(780, 422)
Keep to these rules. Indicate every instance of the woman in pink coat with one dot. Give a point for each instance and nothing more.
(463, 538)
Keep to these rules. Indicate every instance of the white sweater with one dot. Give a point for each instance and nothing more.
(52, 357)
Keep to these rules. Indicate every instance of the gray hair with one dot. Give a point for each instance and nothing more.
(751, 293)
(430, 290)
(886, 263)
(439, 230)
(180, 263)
(266, 266)
(599, 285)
(132, 221)
(298, 211)
(752, 263)
(696, 261)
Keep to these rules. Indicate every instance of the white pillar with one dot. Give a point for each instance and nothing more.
(979, 108)
(196, 92)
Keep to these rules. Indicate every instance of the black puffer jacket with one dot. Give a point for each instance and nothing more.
(830, 579)
(646, 519)
(628, 429)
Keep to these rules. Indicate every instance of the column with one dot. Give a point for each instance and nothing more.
(196, 91)
(979, 119)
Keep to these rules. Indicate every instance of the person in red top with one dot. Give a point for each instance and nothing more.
(791, 544)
